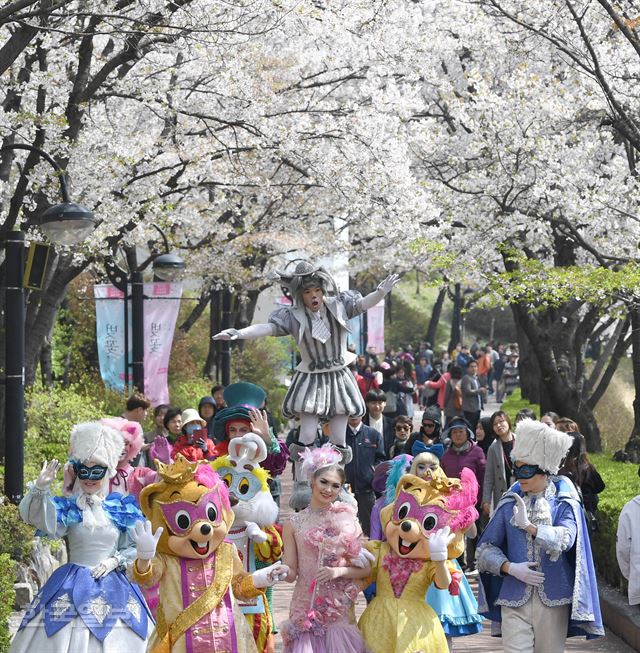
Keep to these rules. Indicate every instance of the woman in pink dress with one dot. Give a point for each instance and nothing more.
(323, 549)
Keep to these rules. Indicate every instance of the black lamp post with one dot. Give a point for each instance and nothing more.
(65, 224)
(166, 267)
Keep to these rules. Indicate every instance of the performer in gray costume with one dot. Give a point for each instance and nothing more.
(322, 387)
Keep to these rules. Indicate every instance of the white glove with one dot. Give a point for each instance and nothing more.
(387, 284)
(47, 474)
(363, 559)
(105, 567)
(145, 540)
(255, 533)
(520, 513)
(227, 334)
(269, 576)
(438, 543)
(523, 572)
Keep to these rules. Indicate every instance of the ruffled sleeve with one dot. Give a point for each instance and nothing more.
(282, 319)
(351, 300)
(560, 537)
(48, 514)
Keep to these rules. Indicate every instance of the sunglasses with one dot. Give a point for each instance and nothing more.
(403, 428)
(428, 425)
(84, 473)
(526, 471)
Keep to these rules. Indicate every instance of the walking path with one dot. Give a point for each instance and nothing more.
(480, 643)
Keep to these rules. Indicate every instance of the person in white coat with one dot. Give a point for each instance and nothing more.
(628, 547)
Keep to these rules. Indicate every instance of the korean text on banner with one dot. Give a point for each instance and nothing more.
(375, 327)
(161, 306)
(160, 315)
(110, 335)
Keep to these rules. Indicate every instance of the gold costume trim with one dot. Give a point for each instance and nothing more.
(204, 604)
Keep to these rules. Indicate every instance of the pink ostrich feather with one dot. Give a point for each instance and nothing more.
(463, 501)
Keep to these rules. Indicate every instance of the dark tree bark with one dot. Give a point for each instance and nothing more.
(436, 312)
(631, 450)
(456, 319)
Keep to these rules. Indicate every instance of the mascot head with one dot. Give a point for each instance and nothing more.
(247, 482)
(191, 503)
(423, 506)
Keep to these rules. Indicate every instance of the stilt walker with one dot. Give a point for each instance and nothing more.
(322, 387)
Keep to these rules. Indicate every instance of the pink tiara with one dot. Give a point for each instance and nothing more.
(315, 459)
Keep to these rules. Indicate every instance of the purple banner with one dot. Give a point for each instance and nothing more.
(375, 327)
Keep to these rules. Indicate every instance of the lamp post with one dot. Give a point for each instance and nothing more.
(65, 224)
(166, 267)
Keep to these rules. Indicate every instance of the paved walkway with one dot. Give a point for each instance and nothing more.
(480, 643)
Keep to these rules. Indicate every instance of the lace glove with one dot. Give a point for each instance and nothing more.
(363, 559)
(255, 533)
(269, 576)
(105, 567)
(145, 540)
(523, 572)
(520, 513)
(439, 542)
(47, 474)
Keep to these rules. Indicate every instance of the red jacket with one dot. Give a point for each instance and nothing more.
(441, 386)
(191, 451)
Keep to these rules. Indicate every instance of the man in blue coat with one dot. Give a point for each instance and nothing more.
(537, 573)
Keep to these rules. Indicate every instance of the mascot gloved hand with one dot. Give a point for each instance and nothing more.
(201, 576)
(253, 531)
(424, 528)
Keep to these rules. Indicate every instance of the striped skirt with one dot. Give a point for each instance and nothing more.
(324, 394)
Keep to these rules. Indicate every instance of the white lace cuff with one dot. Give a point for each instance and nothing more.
(553, 539)
(489, 558)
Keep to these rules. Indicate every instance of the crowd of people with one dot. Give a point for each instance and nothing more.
(178, 527)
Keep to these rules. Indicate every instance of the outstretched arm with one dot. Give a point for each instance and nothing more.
(384, 288)
(248, 333)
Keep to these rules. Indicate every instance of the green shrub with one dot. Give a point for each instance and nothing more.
(514, 403)
(16, 537)
(187, 394)
(7, 597)
(51, 414)
(622, 484)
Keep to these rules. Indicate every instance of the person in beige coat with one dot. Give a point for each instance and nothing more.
(498, 475)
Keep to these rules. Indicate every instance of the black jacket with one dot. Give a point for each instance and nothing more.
(368, 450)
(388, 434)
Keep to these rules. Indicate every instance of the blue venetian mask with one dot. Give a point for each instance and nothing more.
(526, 471)
(84, 473)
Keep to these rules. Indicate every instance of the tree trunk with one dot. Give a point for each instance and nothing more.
(631, 451)
(436, 312)
(456, 318)
(531, 386)
(211, 364)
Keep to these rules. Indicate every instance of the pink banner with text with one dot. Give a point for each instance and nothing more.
(375, 327)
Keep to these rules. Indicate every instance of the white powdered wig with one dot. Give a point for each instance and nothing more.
(92, 441)
(538, 444)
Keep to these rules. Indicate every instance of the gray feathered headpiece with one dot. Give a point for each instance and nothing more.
(306, 276)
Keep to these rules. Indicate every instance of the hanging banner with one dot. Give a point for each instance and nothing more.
(355, 335)
(375, 327)
(160, 316)
(161, 306)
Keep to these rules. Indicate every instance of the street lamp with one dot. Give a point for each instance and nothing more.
(166, 267)
(65, 223)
